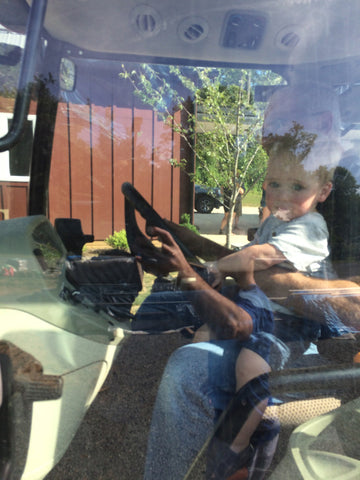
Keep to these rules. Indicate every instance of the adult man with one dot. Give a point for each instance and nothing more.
(197, 380)
(299, 105)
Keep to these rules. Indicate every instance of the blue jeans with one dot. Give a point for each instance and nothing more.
(198, 382)
(164, 311)
(174, 310)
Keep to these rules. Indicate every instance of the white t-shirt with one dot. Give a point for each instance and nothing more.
(303, 241)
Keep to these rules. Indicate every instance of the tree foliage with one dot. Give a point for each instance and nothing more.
(222, 127)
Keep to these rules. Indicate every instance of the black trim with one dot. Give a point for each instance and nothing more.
(26, 80)
(6, 440)
(44, 135)
(70, 50)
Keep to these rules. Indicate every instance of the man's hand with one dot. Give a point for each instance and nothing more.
(225, 318)
(168, 258)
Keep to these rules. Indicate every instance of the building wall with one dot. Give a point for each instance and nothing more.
(13, 199)
(13, 189)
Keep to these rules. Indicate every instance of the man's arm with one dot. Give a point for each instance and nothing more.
(291, 289)
(225, 318)
(199, 246)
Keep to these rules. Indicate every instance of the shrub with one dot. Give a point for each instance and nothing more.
(185, 222)
(118, 240)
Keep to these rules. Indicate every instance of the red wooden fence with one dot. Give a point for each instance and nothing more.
(96, 149)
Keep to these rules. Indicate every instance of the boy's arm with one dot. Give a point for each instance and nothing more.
(250, 259)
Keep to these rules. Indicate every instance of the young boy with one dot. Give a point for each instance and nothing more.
(294, 236)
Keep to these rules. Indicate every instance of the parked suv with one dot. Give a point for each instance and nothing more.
(207, 198)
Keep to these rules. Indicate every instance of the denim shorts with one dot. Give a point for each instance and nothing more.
(221, 357)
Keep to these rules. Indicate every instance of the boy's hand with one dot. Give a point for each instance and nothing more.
(217, 276)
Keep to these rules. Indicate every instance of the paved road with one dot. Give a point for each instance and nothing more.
(209, 225)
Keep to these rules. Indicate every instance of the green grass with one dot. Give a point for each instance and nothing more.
(148, 281)
(252, 199)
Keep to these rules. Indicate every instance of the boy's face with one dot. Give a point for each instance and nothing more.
(291, 192)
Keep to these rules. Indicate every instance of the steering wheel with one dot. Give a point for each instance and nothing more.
(135, 201)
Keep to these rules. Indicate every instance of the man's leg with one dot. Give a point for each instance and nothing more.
(166, 311)
(198, 382)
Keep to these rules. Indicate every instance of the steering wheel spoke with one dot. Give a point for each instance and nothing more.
(136, 239)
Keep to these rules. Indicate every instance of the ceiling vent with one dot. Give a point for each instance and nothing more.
(288, 38)
(146, 20)
(193, 29)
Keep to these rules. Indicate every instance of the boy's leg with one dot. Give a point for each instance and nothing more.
(230, 450)
(249, 365)
(196, 387)
(224, 458)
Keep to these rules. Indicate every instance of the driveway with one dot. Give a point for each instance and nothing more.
(209, 225)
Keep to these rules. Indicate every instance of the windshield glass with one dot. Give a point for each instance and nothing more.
(11, 49)
(180, 220)
(162, 127)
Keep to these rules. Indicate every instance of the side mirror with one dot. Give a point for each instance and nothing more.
(10, 55)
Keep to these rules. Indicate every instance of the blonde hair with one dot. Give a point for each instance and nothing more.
(312, 98)
(320, 147)
(280, 152)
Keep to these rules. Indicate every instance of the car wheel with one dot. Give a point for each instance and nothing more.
(204, 204)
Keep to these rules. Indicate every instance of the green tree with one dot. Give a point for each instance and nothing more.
(222, 127)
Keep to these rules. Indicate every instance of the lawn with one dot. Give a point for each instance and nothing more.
(252, 199)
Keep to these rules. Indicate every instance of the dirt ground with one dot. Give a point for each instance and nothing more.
(111, 441)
